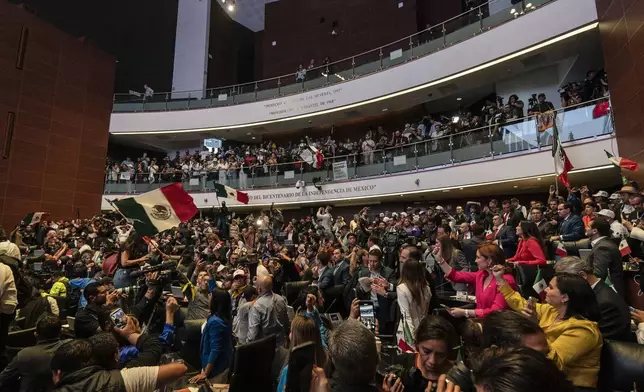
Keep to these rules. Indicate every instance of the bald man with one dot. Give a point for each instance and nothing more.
(268, 315)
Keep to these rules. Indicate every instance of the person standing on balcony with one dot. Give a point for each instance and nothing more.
(149, 93)
(368, 145)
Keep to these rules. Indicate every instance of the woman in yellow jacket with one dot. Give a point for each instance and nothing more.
(569, 319)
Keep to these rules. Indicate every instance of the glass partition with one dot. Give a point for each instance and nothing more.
(584, 121)
(433, 38)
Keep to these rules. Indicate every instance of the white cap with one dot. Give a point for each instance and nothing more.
(615, 196)
(403, 215)
(375, 247)
(238, 273)
(386, 219)
(220, 268)
(407, 125)
(601, 194)
(607, 213)
(84, 248)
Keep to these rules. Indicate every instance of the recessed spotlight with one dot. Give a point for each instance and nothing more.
(253, 137)
(513, 11)
(445, 190)
(402, 195)
(528, 5)
(538, 178)
(516, 186)
(248, 133)
(231, 7)
(459, 99)
(385, 109)
(460, 189)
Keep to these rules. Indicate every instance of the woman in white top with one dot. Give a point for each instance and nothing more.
(413, 300)
(223, 168)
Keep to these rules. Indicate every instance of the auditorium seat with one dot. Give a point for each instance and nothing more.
(621, 365)
(526, 274)
(251, 370)
(189, 342)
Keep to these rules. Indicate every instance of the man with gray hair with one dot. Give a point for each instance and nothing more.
(616, 319)
(353, 352)
(268, 314)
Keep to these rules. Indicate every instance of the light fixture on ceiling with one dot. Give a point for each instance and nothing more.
(459, 99)
(253, 137)
(513, 11)
(248, 133)
(516, 186)
(385, 109)
(538, 178)
(460, 189)
(231, 6)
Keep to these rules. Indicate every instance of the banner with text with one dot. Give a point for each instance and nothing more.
(340, 171)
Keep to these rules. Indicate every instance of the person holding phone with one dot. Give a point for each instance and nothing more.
(216, 340)
(569, 319)
(488, 299)
(303, 330)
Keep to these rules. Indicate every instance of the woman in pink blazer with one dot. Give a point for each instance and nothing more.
(530, 249)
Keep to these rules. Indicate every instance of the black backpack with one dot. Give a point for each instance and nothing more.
(23, 286)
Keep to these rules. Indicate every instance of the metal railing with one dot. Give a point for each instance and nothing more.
(434, 38)
(517, 135)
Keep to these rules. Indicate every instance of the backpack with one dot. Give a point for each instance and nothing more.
(110, 264)
(23, 286)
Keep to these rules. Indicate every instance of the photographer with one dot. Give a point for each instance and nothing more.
(94, 318)
(540, 105)
(515, 107)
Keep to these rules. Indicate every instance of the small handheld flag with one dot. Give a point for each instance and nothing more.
(622, 162)
(624, 248)
(561, 250)
(540, 285)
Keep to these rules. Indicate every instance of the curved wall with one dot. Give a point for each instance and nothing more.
(511, 38)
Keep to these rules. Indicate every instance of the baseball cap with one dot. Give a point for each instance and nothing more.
(607, 213)
(220, 268)
(628, 189)
(601, 194)
(615, 196)
(238, 273)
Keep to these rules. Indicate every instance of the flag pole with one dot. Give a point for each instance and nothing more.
(111, 203)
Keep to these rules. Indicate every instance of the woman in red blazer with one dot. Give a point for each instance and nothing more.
(530, 248)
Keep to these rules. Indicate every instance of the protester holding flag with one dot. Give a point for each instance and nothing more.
(488, 299)
(605, 256)
(569, 318)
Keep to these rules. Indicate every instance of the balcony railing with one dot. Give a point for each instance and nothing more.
(577, 123)
(430, 40)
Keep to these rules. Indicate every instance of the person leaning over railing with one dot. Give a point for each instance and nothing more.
(569, 319)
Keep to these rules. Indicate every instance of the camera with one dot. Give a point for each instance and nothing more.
(532, 101)
(300, 184)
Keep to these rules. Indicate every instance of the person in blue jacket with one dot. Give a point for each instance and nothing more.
(217, 340)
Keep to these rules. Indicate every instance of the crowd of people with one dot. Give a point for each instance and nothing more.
(246, 278)
(377, 145)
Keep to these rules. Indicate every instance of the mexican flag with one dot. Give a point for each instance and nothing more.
(540, 285)
(33, 218)
(562, 164)
(622, 162)
(158, 210)
(227, 192)
(561, 250)
(312, 156)
(624, 248)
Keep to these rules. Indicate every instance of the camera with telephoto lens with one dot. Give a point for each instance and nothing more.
(532, 101)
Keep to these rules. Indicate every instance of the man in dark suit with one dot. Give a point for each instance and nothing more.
(381, 298)
(605, 257)
(325, 271)
(470, 246)
(510, 215)
(341, 269)
(30, 370)
(571, 227)
(615, 323)
(505, 236)
(545, 227)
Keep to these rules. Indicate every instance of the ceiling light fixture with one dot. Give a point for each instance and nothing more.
(459, 99)
(513, 11)
(231, 7)
(538, 178)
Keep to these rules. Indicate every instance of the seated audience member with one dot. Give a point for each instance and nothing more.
(94, 317)
(530, 249)
(488, 299)
(507, 328)
(445, 251)
(199, 306)
(518, 369)
(382, 300)
(569, 318)
(268, 315)
(615, 316)
(36, 307)
(435, 340)
(303, 330)
(59, 287)
(216, 340)
(31, 366)
(413, 299)
(354, 357)
(240, 321)
(74, 369)
(605, 256)
(78, 284)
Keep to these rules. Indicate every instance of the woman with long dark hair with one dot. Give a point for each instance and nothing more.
(217, 340)
(445, 251)
(413, 299)
(488, 299)
(131, 255)
(530, 249)
(569, 319)
(303, 330)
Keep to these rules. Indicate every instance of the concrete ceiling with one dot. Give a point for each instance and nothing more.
(249, 13)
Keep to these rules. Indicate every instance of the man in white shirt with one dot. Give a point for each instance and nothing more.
(368, 146)
(324, 218)
(8, 302)
(149, 93)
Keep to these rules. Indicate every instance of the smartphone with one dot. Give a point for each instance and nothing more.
(300, 368)
(632, 309)
(444, 306)
(531, 302)
(368, 315)
(118, 317)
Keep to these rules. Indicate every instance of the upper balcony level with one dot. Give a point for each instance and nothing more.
(467, 44)
(516, 154)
